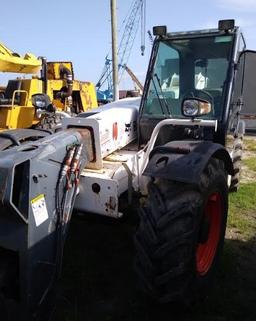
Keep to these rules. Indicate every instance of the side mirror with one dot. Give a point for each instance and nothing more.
(194, 107)
(42, 102)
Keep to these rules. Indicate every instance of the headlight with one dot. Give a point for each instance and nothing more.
(40, 104)
(41, 101)
(195, 107)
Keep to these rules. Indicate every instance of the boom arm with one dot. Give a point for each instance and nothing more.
(13, 62)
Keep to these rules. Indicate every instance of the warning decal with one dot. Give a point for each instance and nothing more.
(39, 209)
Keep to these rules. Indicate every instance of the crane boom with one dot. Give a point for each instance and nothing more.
(136, 14)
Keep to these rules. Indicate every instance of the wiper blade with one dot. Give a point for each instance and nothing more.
(161, 91)
(160, 101)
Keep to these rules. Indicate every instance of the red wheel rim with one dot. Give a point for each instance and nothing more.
(206, 251)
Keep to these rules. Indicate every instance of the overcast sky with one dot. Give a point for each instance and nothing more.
(79, 30)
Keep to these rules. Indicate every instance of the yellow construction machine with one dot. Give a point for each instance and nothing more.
(56, 79)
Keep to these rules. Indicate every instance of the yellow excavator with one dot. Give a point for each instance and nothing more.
(56, 79)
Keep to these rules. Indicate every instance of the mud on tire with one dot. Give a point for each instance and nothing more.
(176, 224)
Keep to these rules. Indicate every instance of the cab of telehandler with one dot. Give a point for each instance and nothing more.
(207, 65)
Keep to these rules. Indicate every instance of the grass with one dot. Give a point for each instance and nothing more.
(250, 163)
(242, 207)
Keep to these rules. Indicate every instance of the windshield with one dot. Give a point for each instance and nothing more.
(183, 68)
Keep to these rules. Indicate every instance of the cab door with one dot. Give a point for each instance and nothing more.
(248, 89)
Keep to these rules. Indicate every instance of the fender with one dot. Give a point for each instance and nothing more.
(184, 161)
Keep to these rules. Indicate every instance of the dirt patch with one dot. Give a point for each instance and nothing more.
(249, 151)
(247, 175)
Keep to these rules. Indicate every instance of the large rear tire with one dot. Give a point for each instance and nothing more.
(180, 235)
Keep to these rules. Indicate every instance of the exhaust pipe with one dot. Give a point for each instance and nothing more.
(65, 73)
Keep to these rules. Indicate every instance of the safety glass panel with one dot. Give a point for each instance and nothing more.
(187, 68)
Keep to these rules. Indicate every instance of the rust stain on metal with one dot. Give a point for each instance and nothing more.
(87, 136)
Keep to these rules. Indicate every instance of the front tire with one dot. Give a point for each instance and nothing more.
(180, 235)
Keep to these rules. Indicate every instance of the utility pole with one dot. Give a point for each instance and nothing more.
(114, 49)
